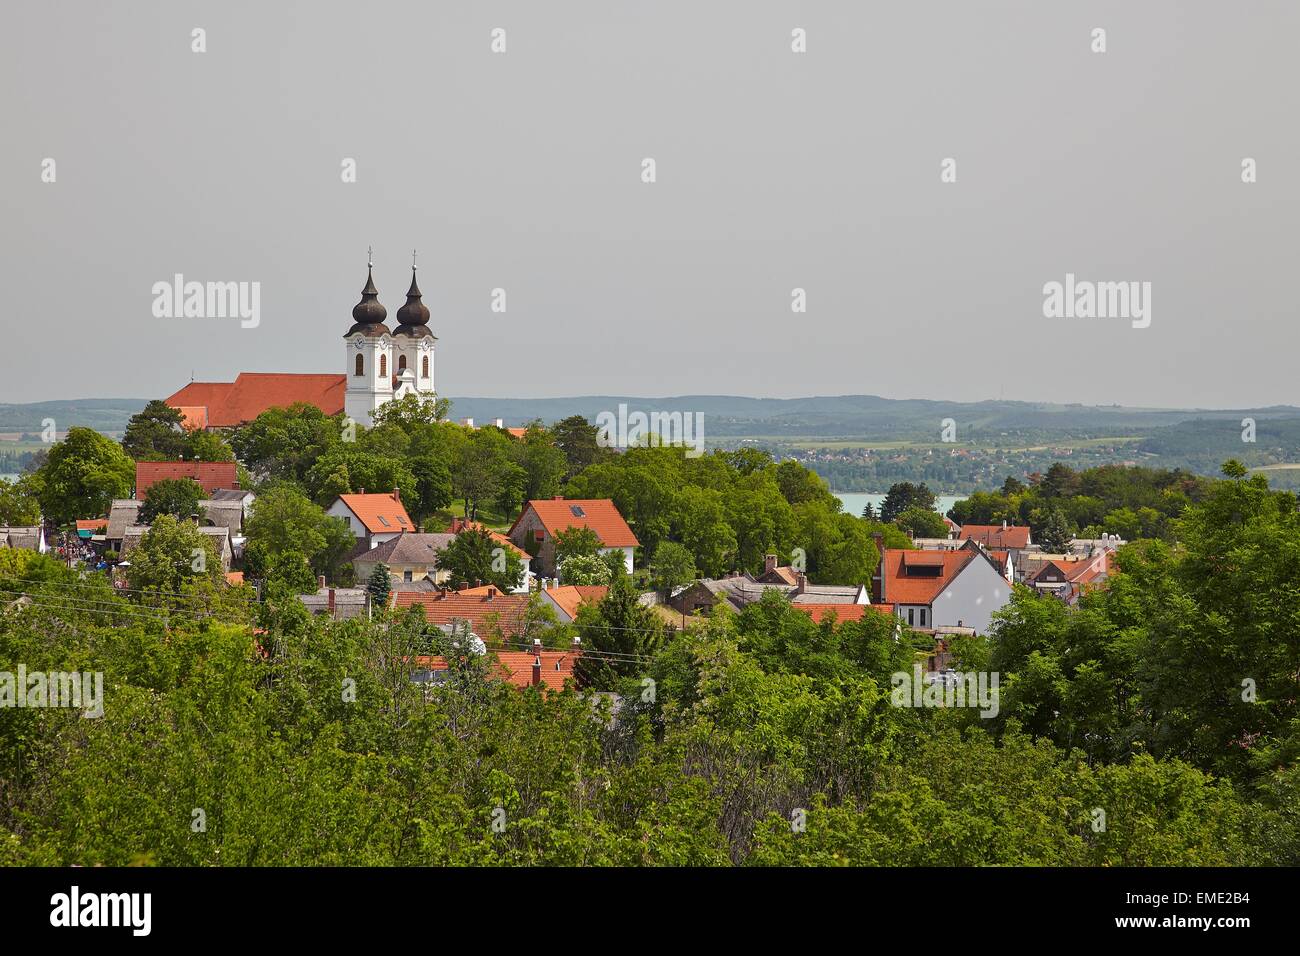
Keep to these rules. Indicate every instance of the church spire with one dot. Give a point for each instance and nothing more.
(413, 318)
(368, 315)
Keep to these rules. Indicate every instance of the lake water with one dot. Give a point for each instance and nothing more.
(854, 501)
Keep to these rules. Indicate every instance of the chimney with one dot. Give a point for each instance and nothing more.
(544, 584)
(397, 495)
(491, 592)
(769, 563)
(803, 583)
(331, 602)
(1004, 524)
(361, 491)
(537, 664)
(558, 498)
(320, 583)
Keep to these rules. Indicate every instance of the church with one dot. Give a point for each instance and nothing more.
(379, 364)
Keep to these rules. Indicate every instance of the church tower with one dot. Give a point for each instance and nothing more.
(368, 355)
(413, 345)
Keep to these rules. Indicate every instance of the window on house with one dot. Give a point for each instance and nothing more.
(424, 366)
(361, 364)
(923, 617)
(577, 511)
(384, 521)
(401, 364)
(911, 611)
(408, 576)
(383, 365)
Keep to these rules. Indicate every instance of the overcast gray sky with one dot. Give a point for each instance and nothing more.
(775, 170)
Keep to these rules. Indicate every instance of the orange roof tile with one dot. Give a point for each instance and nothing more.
(212, 475)
(598, 514)
(379, 513)
(235, 578)
(903, 588)
(516, 667)
(842, 612)
(251, 393)
(441, 607)
(570, 596)
(92, 524)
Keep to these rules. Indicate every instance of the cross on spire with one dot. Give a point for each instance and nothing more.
(370, 257)
(413, 267)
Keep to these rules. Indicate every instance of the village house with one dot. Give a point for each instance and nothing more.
(566, 599)
(338, 604)
(933, 589)
(741, 590)
(373, 518)
(535, 667)
(410, 558)
(1014, 539)
(490, 613)
(132, 536)
(535, 529)
(1068, 577)
(27, 538)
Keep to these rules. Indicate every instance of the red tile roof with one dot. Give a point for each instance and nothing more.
(251, 393)
(380, 513)
(92, 524)
(598, 514)
(996, 536)
(842, 612)
(212, 475)
(570, 596)
(516, 667)
(903, 588)
(443, 607)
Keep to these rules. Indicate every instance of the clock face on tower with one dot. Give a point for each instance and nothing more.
(359, 341)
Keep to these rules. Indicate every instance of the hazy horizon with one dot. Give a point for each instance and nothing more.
(775, 170)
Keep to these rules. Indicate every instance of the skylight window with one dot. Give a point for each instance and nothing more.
(577, 511)
(384, 521)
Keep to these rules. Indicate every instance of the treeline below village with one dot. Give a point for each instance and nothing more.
(1156, 724)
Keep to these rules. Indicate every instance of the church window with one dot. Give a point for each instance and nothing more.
(383, 365)
(424, 367)
(361, 364)
(401, 364)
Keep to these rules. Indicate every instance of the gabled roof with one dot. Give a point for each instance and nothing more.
(212, 475)
(28, 538)
(568, 597)
(122, 513)
(598, 514)
(996, 536)
(904, 588)
(444, 607)
(379, 513)
(227, 404)
(411, 548)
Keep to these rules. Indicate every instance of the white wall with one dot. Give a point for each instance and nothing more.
(972, 597)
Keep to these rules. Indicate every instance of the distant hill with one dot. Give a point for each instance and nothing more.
(101, 414)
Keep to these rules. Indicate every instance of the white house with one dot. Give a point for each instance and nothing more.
(373, 518)
(931, 589)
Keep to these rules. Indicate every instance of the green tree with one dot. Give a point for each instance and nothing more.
(82, 475)
(903, 495)
(19, 502)
(155, 433)
(284, 519)
(171, 555)
(178, 497)
(576, 541)
(922, 523)
(577, 439)
(586, 570)
(671, 567)
(380, 585)
(475, 556)
(289, 569)
(619, 635)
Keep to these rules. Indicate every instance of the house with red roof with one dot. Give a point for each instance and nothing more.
(1068, 578)
(566, 599)
(488, 611)
(536, 667)
(373, 518)
(535, 529)
(212, 475)
(933, 589)
(842, 612)
(1014, 539)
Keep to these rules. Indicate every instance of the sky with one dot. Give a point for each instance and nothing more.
(774, 171)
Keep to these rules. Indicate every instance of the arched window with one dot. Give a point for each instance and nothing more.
(361, 364)
(383, 365)
(424, 367)
(401, 364)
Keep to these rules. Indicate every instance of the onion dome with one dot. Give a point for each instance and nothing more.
(413, 318)
(369, 314)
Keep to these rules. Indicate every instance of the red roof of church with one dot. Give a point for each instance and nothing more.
(225, 404)
(212, 475)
